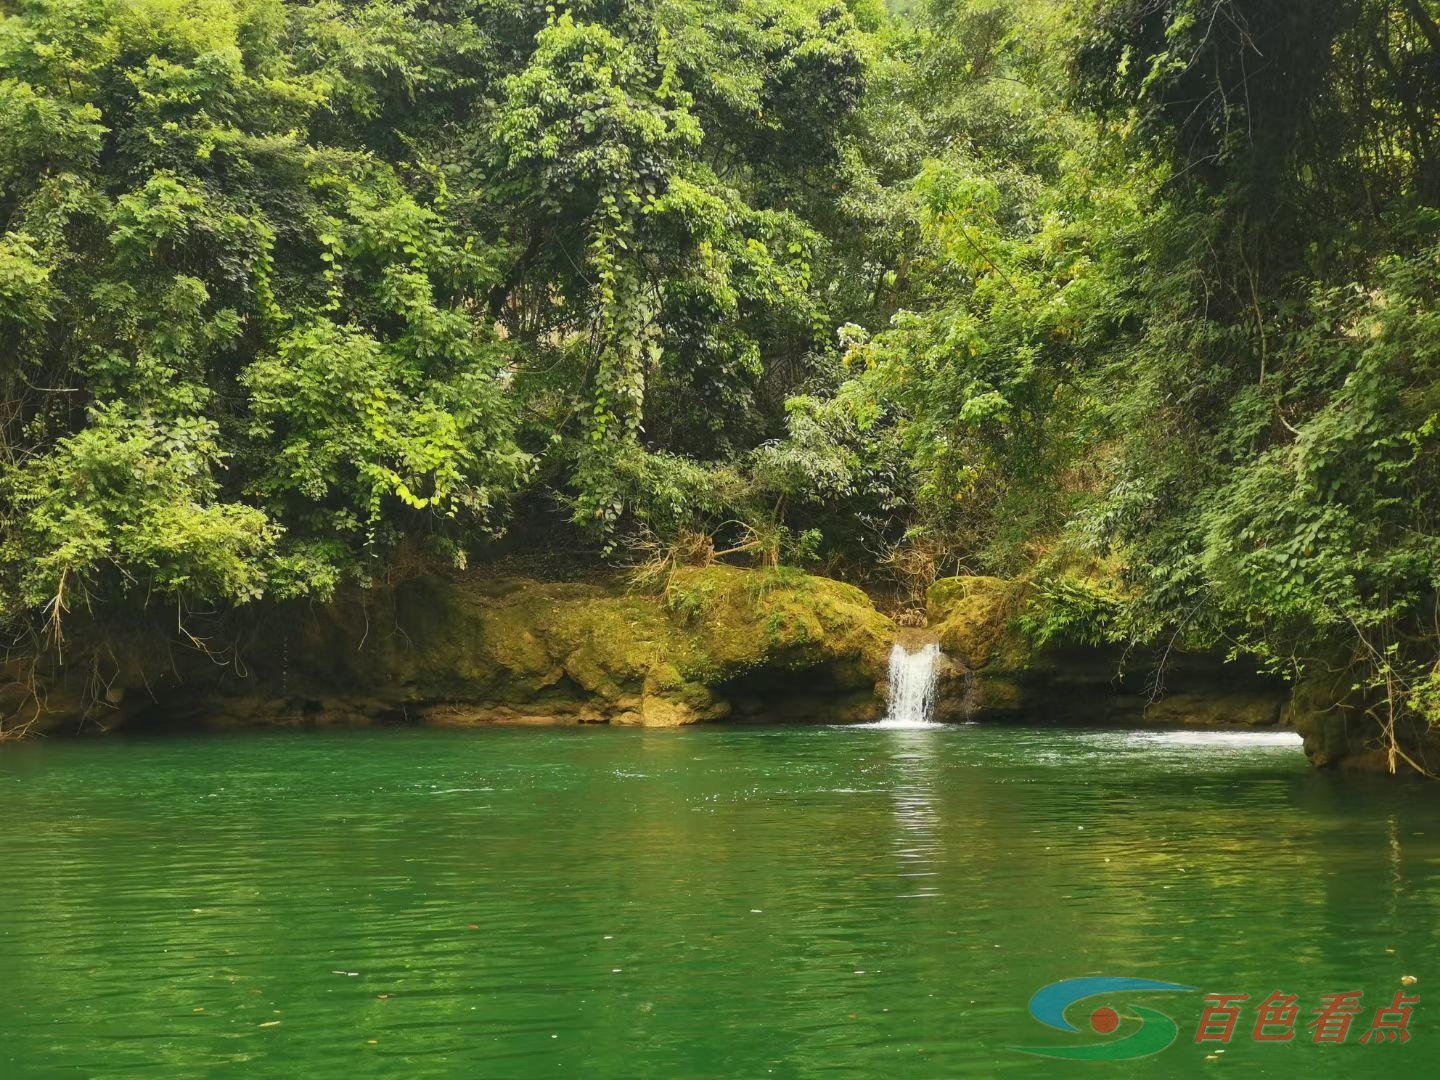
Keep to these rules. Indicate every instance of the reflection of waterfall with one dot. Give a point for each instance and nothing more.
(913, 677)
(917, 843)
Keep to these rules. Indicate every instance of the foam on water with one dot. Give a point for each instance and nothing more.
(1217, 738)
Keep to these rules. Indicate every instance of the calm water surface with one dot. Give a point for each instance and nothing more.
(803, 902)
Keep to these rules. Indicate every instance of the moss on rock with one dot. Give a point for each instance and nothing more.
(973, 617)
(1010, 677)
(1341, 724)
(478, 649)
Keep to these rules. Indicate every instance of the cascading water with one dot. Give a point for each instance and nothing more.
(913, 678)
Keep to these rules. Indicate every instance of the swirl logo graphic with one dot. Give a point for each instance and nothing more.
(1156, 1031)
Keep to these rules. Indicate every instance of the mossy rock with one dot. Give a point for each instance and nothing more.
(973, 617)
(1340, 725)
(481, 649)
(651, 659)
(740, 618)
(1010, 678)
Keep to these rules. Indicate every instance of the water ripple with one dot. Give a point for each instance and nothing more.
(707, 903)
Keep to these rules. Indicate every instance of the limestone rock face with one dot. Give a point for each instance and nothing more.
(1345, 727)
(1008, 678)
(1330, 718)
(972, 617)
(718, 641)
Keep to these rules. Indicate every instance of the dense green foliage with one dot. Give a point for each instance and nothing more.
(1136, 299)
(287, 284)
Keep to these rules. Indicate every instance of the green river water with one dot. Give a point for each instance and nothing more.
(722, 902)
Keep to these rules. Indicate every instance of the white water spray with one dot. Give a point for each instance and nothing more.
(913, 678)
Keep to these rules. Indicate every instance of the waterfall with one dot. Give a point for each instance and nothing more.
(913, 677)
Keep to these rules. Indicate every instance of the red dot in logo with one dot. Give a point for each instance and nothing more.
(1104, 1020)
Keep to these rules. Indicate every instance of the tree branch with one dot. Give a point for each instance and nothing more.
(1428, 26)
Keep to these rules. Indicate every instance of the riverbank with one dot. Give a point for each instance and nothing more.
(706, 644)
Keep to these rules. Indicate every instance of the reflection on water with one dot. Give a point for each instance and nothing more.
(702, 903)
(917, 815)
